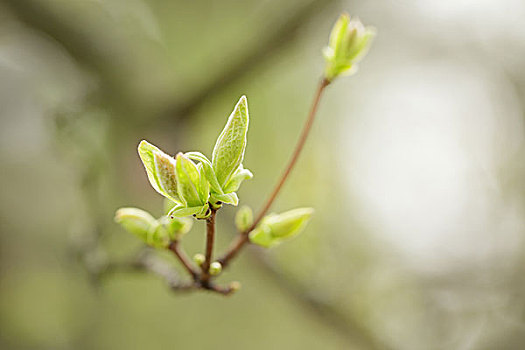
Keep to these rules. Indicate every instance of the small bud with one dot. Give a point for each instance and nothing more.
(289, 223)
(244, 218)
(136, 221)
(215, 268)
(275, 228)
(349, 43)
(199, 259)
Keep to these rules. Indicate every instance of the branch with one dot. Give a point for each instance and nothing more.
(243, 237)
(148, 262)
(183, 258)
(210, 237)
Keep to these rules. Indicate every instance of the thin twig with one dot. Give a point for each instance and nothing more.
(147, 261)
(243, 237)
(210, 238)
(183, 258)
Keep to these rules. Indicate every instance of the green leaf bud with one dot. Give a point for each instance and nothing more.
(244, 218)
(349, 42)
(136, 221)
(199, 259)
(275, 228)
(158, 236)
(215, 268)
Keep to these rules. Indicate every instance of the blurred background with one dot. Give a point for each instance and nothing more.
(415, 169)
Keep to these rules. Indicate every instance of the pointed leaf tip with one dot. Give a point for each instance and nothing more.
(229, 149)
(148, 153)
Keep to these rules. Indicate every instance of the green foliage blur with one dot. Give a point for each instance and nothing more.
(414, 169)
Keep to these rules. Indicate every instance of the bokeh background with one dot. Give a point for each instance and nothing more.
(415, 169)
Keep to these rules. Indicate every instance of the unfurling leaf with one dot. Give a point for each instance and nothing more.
(165, 168)
(136, 221)
(154, 159)
(208, 170)
(228, 198)
(200, 212)
(188, 182)
(229, 149)
(238, 177)
(244, 218)
(349, 42)
(275, 228)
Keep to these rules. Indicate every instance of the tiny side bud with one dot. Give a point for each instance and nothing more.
(199, 259)
(215, 268)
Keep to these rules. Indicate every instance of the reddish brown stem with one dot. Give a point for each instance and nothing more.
(181, 255)
(210, 238)
(243, 238)
(297, 152)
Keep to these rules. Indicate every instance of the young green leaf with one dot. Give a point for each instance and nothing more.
(200, 212)
(229, 149)
(168, 205)
(165, 170)
(147, 153)
(208, 170)
(227, 198)
(188, 182)
(204, 185)
(236, 180)
(136, 221)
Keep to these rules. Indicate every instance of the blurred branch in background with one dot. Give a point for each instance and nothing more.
(279, 36)
(100, 58)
